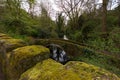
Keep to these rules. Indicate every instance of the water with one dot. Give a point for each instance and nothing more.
(57, 53)
(65, 37)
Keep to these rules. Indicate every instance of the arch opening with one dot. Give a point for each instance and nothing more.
(57, 53)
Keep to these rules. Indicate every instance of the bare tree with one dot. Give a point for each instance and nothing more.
(48, 6)
(72, 10)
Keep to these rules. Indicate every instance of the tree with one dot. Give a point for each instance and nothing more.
(119, 13)
(60, 24)
(72, 10)
(31, 7)
(46, 28)
(104, 16)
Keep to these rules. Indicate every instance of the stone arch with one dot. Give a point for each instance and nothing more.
(57, 53)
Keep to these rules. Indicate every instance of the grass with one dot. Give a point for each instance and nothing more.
(104, 61)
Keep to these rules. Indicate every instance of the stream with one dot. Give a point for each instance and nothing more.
(57, 53)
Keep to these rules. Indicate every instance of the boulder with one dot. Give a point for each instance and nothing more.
(11, 44)
(4, 36)
(8, 44)
(73, 70)
(90, 72)
(49, 70)
(23, 58)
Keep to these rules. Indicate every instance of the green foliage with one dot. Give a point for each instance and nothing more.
(78, 36)
(90, 31)
(108, 46)
(23, 24)
(99, 43)
(60, 24)
(101, 60)
(74, 28)
(86, 27)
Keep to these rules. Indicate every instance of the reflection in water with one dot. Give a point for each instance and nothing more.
(57, 53)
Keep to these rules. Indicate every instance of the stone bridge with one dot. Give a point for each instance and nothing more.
(70, 47)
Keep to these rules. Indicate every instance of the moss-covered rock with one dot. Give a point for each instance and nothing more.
(73, 70)
(8, 44)
(90, 72)
(4, 36)
(11, 44)
(49, 70)
(23, 58)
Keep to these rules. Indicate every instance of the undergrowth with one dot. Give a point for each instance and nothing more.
(107, 62)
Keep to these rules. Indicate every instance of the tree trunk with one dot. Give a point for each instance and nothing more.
(104, 16)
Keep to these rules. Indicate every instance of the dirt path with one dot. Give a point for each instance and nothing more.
(1, 74)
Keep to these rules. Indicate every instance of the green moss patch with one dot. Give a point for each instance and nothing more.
(13, 43)
(49, 70)
(21, 59)
(73, 70)
(90, 72)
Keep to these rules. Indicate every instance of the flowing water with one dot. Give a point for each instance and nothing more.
(65, 37)
(57, 53)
